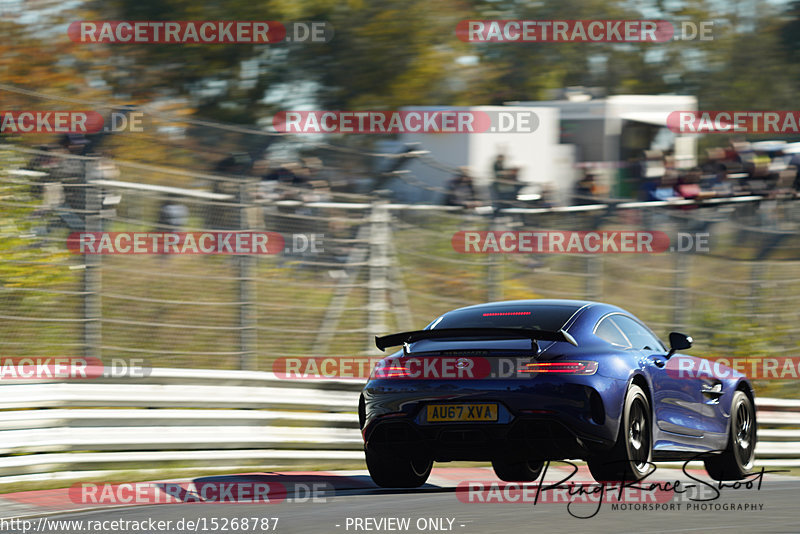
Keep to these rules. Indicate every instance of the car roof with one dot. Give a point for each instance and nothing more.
(577, 304)
(584, 314)
(589, 310)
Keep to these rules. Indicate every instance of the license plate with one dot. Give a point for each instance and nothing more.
(443, 413)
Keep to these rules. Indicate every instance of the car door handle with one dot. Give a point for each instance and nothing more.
(712, 391)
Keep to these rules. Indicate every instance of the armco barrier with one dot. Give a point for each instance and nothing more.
(218, 419)
(175, 417)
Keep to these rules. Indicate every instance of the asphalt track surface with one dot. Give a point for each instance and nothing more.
(440, 507)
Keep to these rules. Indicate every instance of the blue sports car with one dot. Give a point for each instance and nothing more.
(521, 382)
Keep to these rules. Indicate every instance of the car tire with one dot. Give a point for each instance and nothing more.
(736, 461)
(526, 471)
(390, 471)
(631, 457)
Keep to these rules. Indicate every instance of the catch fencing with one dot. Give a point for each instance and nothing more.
(376, 267)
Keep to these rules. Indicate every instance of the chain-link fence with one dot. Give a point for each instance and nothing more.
(352, 267)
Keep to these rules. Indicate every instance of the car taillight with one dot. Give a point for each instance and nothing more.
(392, 371)
(389, 371)
(562, 367)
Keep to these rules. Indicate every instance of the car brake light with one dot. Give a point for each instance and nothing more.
(389, 371)
(574, 368)
(392, 372)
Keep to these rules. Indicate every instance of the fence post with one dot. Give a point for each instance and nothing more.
(398, 297)
(758, 274)
(494, 269)
(594, 277)
(680, 303)
(344, 288)
(92, 272)
(378, 273)
(246, 264)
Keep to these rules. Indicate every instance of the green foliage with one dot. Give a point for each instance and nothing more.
(27, 261)
(386, 54)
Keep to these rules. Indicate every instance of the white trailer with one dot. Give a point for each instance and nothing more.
(540, 158)
(608, 133)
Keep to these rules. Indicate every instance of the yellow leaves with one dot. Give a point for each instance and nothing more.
(26, 261)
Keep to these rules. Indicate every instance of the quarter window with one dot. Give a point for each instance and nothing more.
(639, 336)
(608, 330)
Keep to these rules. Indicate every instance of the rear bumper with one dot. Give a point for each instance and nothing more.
(523, 438)
(558, 417)
(547, 417)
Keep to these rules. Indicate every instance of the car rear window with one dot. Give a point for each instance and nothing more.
(540, 317)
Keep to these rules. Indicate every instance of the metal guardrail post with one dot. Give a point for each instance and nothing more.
(92, 272)
(246, 265)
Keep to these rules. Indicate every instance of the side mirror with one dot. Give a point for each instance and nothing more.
(678, 341)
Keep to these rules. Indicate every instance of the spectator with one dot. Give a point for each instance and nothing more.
(72, 174)
(688, 186)
(794, 161)
(505, 185)
(319, 185)
(649, 171)
(173, 215)
(460, 190)
(499, 167)
(45, 162)
(666, 188)
(75, 144)
(583, 192)
(715, 173)
(223, 215)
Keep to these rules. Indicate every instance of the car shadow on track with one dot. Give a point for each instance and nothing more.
(310, 486)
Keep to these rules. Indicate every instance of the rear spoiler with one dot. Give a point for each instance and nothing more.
(394, 340)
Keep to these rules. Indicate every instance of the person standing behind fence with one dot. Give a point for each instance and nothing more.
(172, 215)
(584, 189)
(460, 190)
(224, 215)
(71, 172)
(505, 185)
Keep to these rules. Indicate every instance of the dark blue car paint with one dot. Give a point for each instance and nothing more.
(685, 421)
